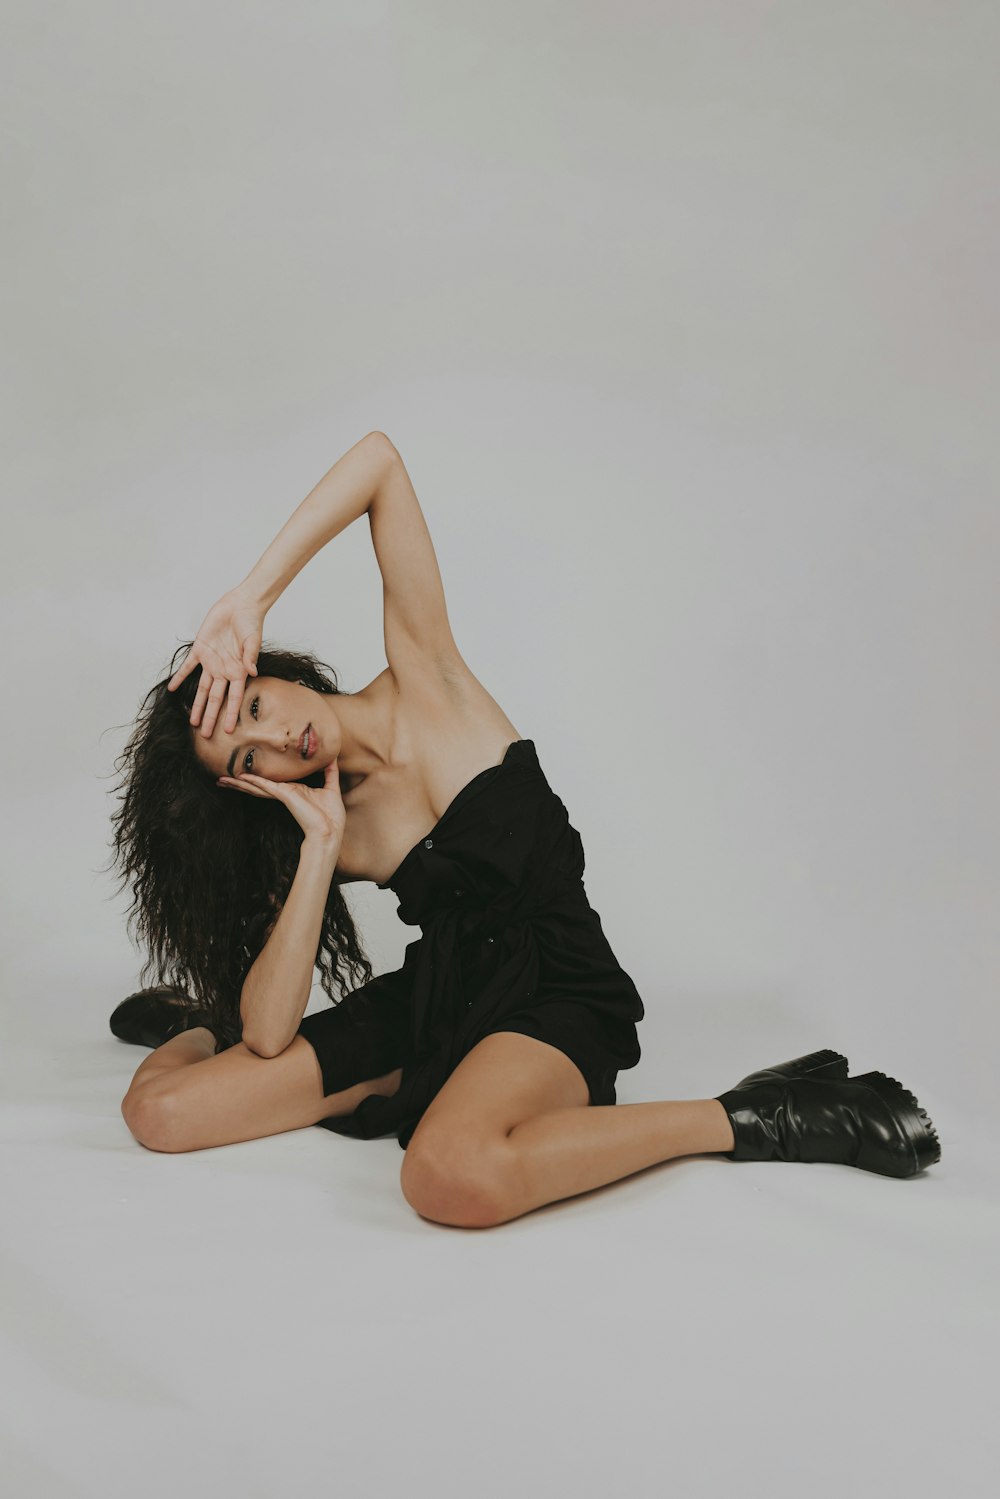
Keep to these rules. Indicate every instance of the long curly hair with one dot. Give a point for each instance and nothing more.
(210, 871)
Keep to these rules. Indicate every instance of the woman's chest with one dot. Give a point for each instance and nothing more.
(445, 729)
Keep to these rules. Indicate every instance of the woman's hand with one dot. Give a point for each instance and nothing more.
(226, 648)
(320, 813)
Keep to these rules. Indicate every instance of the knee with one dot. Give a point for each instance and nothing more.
(466, 1186)
(151, 1115)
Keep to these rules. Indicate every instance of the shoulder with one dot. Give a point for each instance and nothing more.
(448, 720)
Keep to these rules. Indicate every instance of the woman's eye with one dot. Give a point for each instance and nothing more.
(248, 757)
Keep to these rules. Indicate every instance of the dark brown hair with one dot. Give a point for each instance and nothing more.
(211, 869)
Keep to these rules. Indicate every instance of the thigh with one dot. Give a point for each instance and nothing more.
(506, 1078)
(238, 1095)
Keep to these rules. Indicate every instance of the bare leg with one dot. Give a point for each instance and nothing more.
(184, 1097)
(180, 1051)
(512, 1128)
(568, 1151)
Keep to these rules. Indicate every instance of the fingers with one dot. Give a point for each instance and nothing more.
(200, 697)
(245, 783)
(183, 671)
(208, 701)
(205, 683)
(216, 693)
(236, 687)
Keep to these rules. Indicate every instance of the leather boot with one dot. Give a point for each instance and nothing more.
(809, 1110)
(151, 1016)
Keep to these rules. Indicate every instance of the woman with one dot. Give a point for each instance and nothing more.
(256, 788)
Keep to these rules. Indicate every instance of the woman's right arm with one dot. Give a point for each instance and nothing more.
(227, 645)
(276, 990)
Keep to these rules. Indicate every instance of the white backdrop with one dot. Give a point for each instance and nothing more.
(684, 319)
(685, 326)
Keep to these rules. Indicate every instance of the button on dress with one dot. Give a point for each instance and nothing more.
(509, 942)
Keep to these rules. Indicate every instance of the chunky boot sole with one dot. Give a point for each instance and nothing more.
(913, 1120)
(819, 1064)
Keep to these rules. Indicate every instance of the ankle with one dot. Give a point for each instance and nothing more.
(722, 1129)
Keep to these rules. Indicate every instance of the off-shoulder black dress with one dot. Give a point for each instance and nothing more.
(510, 942)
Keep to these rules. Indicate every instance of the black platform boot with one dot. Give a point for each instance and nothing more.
(809, 1110)
(151, 1016)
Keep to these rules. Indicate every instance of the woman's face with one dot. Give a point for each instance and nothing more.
(271, 733)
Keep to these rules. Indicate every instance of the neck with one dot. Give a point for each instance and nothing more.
(361, 723)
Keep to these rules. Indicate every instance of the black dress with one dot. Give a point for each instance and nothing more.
(510, 942)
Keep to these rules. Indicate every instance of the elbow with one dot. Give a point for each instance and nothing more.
(265, 1046)
(259, 1035)
(381, 445)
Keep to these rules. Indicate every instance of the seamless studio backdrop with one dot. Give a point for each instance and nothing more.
(684, 320)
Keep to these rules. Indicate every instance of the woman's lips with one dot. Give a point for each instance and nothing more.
(307, 742)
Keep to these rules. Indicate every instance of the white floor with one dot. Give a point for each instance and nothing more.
(272, 1318)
